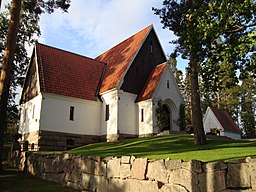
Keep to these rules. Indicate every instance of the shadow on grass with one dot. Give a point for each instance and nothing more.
(172, 146)
(17, 181)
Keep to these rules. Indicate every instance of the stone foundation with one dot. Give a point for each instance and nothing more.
(130, 174)
(57, 141)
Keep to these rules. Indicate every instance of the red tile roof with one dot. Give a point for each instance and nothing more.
(68, 74)
(119, 58)
(225, 120)
(152, 83)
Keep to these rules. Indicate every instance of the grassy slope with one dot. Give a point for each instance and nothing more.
(173, 147)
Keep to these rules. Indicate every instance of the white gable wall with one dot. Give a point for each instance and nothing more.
(210, 121)
(235, 136)
(56, 113)
(30, 115)
(126, 113)
(170, 96)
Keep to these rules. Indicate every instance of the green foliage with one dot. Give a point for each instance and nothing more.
(162, 116)
(28, 33)
(173, 147)
(248, 106)
(220, 36)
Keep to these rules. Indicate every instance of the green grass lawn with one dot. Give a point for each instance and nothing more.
(173, 147)
(16, 181)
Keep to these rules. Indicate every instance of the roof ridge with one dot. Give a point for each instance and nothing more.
(150, 26)
(69, 52)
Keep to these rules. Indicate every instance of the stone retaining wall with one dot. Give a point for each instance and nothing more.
(130, 174)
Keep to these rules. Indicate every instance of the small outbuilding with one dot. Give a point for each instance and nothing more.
(220, 122)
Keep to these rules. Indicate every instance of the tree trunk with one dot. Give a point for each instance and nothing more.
(6, 71)
(199, 135)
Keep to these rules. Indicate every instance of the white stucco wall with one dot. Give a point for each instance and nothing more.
(30, 115)
(145, 127)
(127, 113)
(170, 96)
(110, 126)
(210, 121)
(56, 112)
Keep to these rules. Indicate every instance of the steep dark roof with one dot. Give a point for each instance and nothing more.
(152, 83)
(225, 120)
(68, 74)
(119, 58)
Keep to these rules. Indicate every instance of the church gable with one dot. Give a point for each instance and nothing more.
(30, 87)
(149, 56)
(119, 59)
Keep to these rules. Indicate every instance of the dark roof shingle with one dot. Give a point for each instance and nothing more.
(225, 120)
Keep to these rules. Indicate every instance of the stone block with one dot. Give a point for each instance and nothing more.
(252, 167)
(93, 183)
(87, 165)
(139, 167)
(53, 177)
(173, 164)
(117, 185)
(193, 165)
(113, 168)
(157, 171)
(184, 177)
(125, 159)
(238, 175)
(75, 175)
(132, 159)
(212, 181)
(172, 188)
(214, 166)
(125, 171)
(100, 168)
(141, 185)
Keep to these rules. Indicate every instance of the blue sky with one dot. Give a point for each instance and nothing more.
(93, 26)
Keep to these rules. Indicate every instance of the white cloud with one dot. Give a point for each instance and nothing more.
(100, 24)
(91, 27)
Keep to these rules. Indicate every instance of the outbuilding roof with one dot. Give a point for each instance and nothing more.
(68, 74)
(225, 120)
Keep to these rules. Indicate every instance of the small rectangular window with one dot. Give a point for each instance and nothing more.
(107, 113)
(151, 47)
(168, 84)
(142, 115)
(71, 113)
(25, 115)
(33, 112)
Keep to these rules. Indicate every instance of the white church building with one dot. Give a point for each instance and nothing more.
(69, 100)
